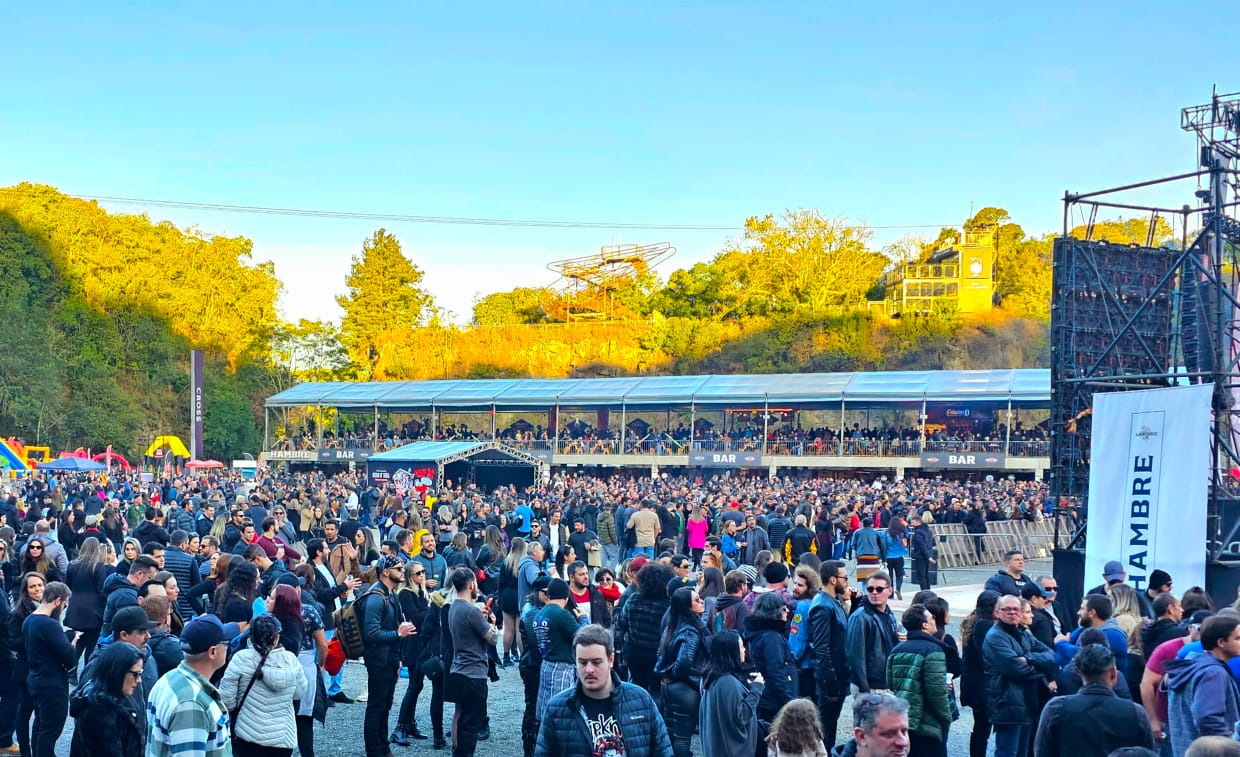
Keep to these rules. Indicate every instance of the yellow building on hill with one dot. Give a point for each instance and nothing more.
(961, 277)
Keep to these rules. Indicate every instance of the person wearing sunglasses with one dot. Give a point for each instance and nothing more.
(36, 559)
(105, 716)
(872, 634)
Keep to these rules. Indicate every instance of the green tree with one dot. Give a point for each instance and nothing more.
(311, 351)
(384, 293)
(800, 263)
(522, 305)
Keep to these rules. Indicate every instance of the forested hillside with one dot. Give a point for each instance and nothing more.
(102, 309)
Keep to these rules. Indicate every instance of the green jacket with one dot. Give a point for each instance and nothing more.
(606, 528)
(917, 673)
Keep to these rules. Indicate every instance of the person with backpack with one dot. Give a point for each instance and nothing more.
(730, 611)
(383, 628)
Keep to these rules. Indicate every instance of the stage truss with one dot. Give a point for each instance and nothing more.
(1195, 294)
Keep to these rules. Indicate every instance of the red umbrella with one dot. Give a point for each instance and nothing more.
(204, 464)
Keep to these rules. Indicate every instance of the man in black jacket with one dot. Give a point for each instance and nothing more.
(1169, 612)
(1012, 579)
(1043, 626)
(1015, 663)
(777, 529)
(587, 596)
(828, 627)
(872, 634)
(1065, 621)
(382, 631)
(922, 551)
(1093, 722)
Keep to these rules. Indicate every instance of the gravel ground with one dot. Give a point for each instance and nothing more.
(342, 734)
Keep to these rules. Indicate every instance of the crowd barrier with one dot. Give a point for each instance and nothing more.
(958, 548)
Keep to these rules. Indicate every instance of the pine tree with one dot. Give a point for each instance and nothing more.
(384, 293)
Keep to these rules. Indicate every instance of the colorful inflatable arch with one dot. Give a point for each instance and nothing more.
(111, 458)
(173, 443)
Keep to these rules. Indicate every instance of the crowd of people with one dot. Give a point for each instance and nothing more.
(782, 438)
(208, 615)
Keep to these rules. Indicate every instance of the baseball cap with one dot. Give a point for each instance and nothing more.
(557, 589)
(1114, 571)
(130, 619)
(1031, 590)
(637, 563)
(1200, 617)
(541, 583)
(204, 632)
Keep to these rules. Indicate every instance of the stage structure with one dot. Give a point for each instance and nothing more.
(1129, 317)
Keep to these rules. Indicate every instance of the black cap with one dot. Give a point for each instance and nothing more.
(557, 589)
(130, 619)
(541, 583)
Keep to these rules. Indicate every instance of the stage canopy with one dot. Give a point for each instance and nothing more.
(428, 464)
(1021, 387)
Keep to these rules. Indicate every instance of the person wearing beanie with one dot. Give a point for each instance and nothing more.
(776, 577)
(554, 626)
(1159, 583)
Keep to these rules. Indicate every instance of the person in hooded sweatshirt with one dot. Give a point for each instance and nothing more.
(1203, 699)
(766, 638)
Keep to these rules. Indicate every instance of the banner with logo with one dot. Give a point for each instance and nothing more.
(1148, 476)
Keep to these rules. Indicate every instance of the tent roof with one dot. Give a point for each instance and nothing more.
(429, 451)
(1027, 386)
(446, 452)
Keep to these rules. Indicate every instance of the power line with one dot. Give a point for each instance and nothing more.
(450, 220)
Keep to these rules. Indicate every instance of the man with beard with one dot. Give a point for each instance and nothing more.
(620, 718)
(828, 627)
(50, 657)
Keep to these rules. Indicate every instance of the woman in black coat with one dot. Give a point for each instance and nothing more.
(105, 723)
(766, 638)
(413, 600)
(85, 578)
(680, 667)
(973, 677)
(431, 660)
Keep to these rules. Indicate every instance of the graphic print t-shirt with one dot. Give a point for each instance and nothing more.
(604, 728)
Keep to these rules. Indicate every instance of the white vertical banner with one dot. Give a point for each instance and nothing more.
(1148, 483)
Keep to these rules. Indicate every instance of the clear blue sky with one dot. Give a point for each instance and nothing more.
(626, 112)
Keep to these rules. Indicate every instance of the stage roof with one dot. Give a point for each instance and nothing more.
(1026, 386)
(429, 451)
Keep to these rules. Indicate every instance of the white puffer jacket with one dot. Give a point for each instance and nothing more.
(267, 718)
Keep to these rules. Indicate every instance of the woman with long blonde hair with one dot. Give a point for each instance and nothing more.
(85, 579)
(509, 602)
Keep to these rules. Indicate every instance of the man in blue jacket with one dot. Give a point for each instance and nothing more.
(601, 714)
(1096, 612)
(1203, 699)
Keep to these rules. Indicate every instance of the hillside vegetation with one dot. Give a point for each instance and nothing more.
(102, 310)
